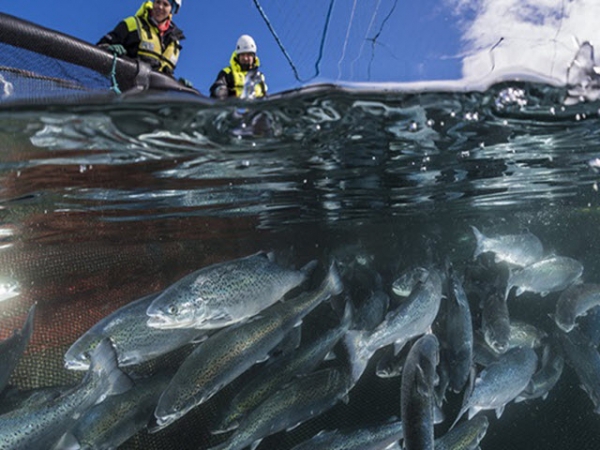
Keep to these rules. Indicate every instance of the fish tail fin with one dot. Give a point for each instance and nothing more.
(510, 283)
(27, 330)
(467, 394)
(333, 281)
(358, 353)
(479, 249)
(222, 446)
(68, 441)
(225, 425)
(393, 446)
(458, 417)
(104, 367)
(348, 316)
(309, 267)
(333, 285)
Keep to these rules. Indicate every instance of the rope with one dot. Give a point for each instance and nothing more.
(324, 35)
(362, 46)
(346, 40)
(279, 43)
(113, 76)
(374, 39)
(284, 50)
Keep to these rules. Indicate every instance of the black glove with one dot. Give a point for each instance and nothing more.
(186, 82)
(221, 92)
(116, 49)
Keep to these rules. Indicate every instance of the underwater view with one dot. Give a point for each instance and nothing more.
(391, 264)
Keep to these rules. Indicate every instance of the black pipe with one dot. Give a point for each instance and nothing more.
(129, 73)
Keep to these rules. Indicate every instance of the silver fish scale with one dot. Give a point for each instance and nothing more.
(231, 351)
(465, 436)
(298, 401)
(299, 362)
(369, 438)
(517, 249)
(214, 364)
(46, 422)
(458, 336)
(133, 340)
(495, 322)
(110, 423)
(417, 393)
(412, 317)
(548, 275)
(575, 301)
(223, 294)
(585, 360)
(247, 278)
(503, 380)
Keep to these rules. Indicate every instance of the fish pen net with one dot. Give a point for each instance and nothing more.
(29, 75)
(314, 48)
(39, 65)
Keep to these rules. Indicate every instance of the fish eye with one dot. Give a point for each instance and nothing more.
(500, 348)
(172, 309)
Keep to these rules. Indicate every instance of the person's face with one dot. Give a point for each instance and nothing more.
(246, 59)
(161, 9)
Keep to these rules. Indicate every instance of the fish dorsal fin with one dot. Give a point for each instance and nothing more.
(290, 428)
(398, 346)
(309, 267)
(199, 339)
(519, 291)
(467, 395)
(421, 380)
(255, 444)
(222, 316)
(67, 442)
(473, 410)
(262, 359)
(499, 411)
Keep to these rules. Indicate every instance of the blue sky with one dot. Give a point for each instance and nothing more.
(420, 40)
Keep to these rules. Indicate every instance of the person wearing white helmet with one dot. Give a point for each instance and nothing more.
(150, 36)
(241, 78)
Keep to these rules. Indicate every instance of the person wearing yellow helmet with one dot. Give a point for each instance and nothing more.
(150, 36)
(241, 78)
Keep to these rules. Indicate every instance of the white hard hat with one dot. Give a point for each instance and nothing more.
(175, 5)
(245, 44)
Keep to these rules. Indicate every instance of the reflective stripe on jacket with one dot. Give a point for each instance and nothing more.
(239, 77)
(151, 43)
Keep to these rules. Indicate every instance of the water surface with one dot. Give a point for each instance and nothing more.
(103, 203)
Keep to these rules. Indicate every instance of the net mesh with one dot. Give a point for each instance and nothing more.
(314, 48)
(27, 75)
(39, 65)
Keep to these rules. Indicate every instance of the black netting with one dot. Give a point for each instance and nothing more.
(315, 48)
(38, 64)
(28, 75)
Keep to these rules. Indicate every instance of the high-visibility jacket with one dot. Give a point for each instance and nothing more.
(142, 39)
(233, 77)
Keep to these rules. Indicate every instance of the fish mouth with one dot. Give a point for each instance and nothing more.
(161, 322)
(166, 420)
(565, 326)
(500, 348)
(163, 420)
(225, 429)
(76, 365)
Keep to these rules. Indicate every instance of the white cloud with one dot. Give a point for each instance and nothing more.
(515, 36)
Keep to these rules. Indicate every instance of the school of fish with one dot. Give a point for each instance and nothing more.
(446, 327)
